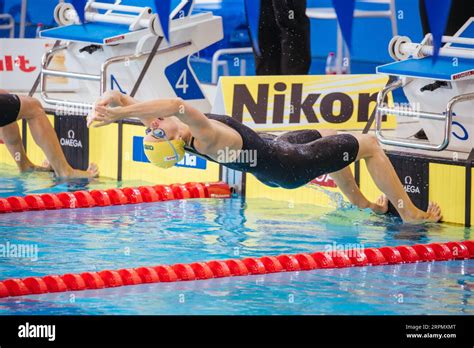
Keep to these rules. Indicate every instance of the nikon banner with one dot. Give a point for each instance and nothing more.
(282, 103)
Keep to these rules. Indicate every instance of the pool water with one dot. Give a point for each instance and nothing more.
(75, 241)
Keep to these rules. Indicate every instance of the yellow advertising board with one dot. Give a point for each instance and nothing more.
(283, 103)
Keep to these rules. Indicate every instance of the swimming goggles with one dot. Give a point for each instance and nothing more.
(160, 134)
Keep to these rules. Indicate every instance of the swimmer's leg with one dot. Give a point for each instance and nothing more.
(44, 135)
(386, 179)
(346, 183)
(10, 134)
(12, 139)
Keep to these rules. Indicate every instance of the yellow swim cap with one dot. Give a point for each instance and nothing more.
(164, 154)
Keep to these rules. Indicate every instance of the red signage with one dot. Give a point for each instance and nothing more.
(8, 63)
(324, 180)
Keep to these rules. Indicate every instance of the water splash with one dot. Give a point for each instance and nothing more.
(336, 198)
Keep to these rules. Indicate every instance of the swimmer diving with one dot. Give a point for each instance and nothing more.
(288, 161)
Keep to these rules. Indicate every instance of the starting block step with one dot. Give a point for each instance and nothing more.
(97, 33)
(444, 68)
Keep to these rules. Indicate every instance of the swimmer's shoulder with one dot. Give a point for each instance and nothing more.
(218, 117)
(225, 121)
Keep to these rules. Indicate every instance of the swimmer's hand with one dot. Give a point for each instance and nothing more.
(109, 99)
(104, 115)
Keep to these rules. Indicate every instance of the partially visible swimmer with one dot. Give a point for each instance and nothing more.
(289, 161)
(14, 108)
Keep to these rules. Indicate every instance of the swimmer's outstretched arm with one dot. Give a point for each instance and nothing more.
(208, 138)
(109, 99)
(200, 126)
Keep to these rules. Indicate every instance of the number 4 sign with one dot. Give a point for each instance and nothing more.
(183, 80)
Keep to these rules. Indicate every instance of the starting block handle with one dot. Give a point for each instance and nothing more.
(443, 52)
(135, 17)
(383, 109)
(126, 20)
(458, 40)
(114, 7)
(401, 48)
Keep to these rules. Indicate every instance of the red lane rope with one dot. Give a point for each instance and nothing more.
(230, 268)
(116, 196)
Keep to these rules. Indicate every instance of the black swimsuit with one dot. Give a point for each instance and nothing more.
(10, 108)
(290, 160)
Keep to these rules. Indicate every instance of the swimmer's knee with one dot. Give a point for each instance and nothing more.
(3, 91)
(368, 145)
(371, 142)
(31, 107)
(35, 104)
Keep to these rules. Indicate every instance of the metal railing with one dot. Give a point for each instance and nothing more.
(101, 77)
(216, 62)
(9, 25)
(383, 109)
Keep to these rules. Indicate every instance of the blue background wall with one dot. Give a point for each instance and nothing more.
(371, 36)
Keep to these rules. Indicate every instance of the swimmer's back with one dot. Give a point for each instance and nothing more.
(289, 161)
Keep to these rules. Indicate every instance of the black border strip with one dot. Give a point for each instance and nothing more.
(467, 209)
(213, 330)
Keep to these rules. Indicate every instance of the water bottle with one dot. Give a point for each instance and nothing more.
(39, 28)
(331, 64)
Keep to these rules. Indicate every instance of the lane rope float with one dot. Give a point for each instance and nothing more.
(237, 267)
(115, 196)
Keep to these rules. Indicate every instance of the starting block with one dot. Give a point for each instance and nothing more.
(440, 92)
(112, 49)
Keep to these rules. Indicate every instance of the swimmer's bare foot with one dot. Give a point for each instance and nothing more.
(432, 214)
(380, 206)
(90, 173)
(30, 167)
(47, 166)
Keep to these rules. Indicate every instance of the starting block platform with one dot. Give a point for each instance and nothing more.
(125, 46)
(440, 92)
(98, 33)
(442, 69)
